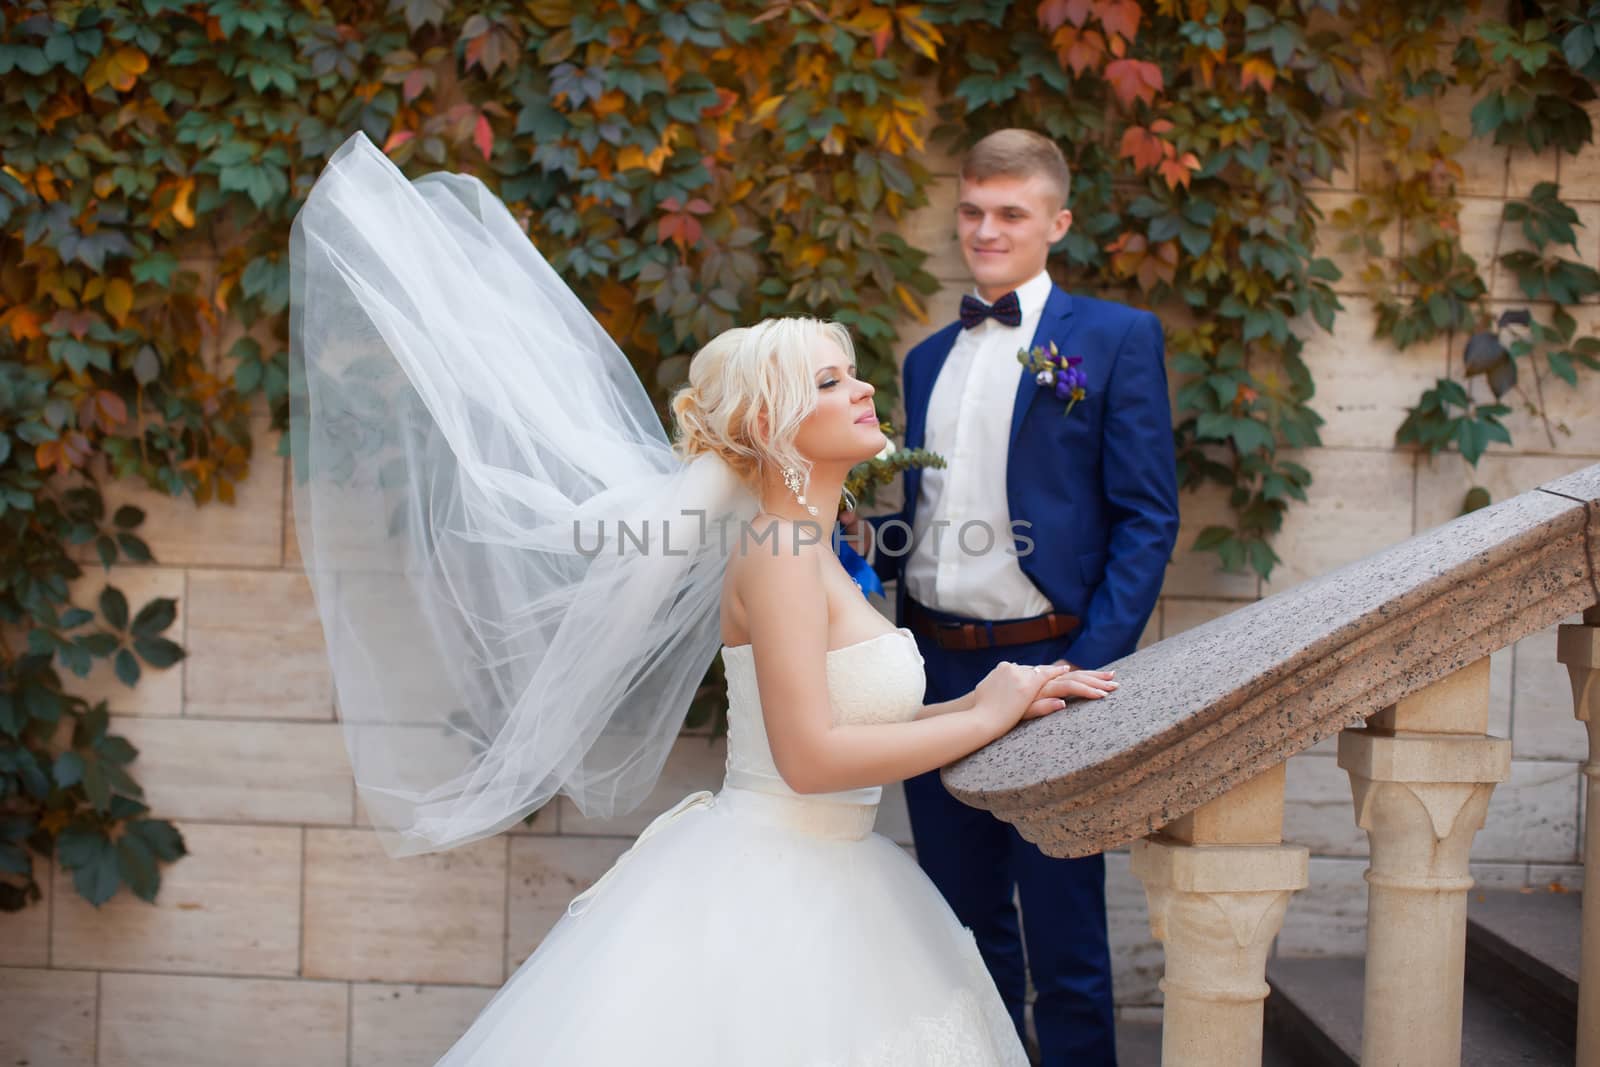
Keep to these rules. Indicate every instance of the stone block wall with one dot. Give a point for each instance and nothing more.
(287, 936)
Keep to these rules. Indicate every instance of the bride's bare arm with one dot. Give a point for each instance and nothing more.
(786, 613)
(945, 707)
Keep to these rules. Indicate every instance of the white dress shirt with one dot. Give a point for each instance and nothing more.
(969, 424)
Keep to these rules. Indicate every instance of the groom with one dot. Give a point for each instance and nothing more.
(1094, 491)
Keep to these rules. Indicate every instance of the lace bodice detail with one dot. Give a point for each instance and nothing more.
(876, 680)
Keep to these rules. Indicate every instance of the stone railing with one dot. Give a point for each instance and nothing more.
(1187, 762)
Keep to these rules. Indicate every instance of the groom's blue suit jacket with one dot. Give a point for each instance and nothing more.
(1098, 486)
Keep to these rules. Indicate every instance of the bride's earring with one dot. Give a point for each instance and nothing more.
(849, 500)
(791, 478)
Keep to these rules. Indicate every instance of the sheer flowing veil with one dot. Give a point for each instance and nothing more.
(517, 577)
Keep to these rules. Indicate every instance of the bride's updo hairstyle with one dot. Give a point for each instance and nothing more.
(749, 390)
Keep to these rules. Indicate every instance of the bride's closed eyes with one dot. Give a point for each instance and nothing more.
(831, 381)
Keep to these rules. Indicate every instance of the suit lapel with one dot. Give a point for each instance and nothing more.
(1057, 308)
(920, 393)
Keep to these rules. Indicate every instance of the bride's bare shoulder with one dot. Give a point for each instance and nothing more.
(770, 549)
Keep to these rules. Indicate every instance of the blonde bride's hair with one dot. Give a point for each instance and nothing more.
(749, 390)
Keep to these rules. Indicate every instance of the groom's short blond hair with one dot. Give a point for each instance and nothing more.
(1018, 154)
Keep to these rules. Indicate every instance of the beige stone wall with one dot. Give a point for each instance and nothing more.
(288, 937)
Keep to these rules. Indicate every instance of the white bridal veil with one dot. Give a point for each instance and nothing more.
(517, 577)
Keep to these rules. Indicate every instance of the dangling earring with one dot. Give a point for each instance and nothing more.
(791, 478)
(849, 500)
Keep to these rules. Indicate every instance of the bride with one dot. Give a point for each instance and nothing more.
(478, 475)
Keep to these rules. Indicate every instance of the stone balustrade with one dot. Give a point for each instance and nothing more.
(1390, 653)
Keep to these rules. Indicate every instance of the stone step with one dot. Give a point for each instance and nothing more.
(1314, 1015)
(1139, 1045)
(1522, 949)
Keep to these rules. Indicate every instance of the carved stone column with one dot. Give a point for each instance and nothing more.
(1421, 771)
(1218, 881)
(1579, 648)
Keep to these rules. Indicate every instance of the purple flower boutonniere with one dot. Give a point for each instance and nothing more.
(1061, 374)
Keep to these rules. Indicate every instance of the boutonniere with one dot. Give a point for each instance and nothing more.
(1051, 370)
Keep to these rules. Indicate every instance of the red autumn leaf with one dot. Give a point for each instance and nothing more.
(415, 83)
(1079, 49)
(726, 98)
(1143, 147)
(103, 409)
(1161, 264)
(76, 323)
(881, 38)
(697, 206)
(1078, 11)
(483, 136)
(396, 139)
(1120, 17)
(1134, 79)
(1052, 13)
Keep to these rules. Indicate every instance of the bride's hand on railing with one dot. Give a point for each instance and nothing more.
(1074, 683)
(1012, 692)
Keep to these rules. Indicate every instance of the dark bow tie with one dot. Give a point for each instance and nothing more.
(1007, 311)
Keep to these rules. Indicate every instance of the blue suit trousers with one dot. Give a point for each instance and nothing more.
(983, 866)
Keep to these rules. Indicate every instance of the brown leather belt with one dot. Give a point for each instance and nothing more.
(970, 636)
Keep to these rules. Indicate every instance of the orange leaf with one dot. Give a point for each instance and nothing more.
(1259, 71)
(182, 210)
(22, 321)
(47, 454)
(1079, 49)
(64, 455)
(1176, 172)
(1134, 79)
(119, 69)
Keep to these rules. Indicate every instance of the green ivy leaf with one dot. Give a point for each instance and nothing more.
(114, 606)
(154, 617)
(127, 668)
(158, 651)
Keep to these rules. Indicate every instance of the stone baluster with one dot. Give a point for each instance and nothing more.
(1579, 648)
(1218, 881)
(1421, 772)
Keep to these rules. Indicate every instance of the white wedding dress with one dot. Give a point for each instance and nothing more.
(759, 927)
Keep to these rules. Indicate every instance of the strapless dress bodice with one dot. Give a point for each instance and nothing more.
(879, 680)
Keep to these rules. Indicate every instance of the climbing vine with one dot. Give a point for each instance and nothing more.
(686, 165)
